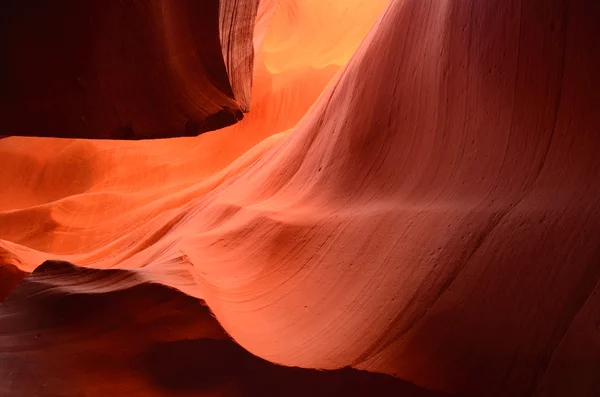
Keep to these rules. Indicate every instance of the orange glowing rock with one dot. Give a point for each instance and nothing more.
(423, 205)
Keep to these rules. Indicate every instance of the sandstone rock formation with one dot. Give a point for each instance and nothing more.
(434, 215)
(102, 332)
(125, 69)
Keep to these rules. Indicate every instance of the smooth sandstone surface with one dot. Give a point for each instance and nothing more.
(111, 335)
(434, 215)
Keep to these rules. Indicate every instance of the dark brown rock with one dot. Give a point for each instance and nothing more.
(124, 69)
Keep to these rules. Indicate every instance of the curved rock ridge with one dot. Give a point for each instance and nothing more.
(69, 331)
(236, 28)
(433, 216)
(124, 69)
(64, 196)
(10, 277)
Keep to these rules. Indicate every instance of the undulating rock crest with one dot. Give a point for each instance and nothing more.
(68, 331)
(125, 69)
(434, 215)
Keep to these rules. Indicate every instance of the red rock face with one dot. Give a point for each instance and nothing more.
(125, 70)
(113, 334)
(433, 216)
(10, 277)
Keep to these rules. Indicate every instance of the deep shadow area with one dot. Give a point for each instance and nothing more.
(177, 365)
(109, 69)
(67, 329)
(10, 277)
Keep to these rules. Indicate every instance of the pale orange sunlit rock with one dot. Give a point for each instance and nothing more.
(433, 216)
(78, 196)
(325, 32)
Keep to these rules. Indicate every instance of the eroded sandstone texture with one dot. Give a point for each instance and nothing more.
(424, 206)
(112, 335)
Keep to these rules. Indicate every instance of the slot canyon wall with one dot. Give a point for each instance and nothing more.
(125, 69)
(411, 207)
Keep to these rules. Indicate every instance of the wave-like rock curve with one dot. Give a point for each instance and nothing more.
(434, 216)
(70, 331)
